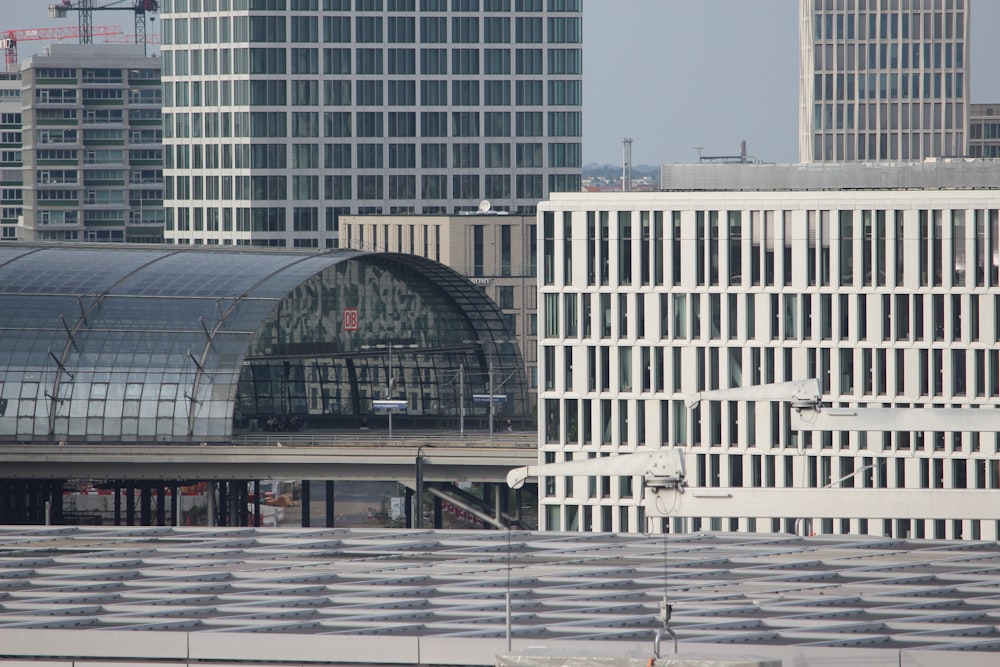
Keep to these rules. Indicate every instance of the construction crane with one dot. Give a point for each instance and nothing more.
(10, 38)
(151, 38)
(86, 9)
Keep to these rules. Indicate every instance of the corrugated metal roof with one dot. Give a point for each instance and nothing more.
(726, 589)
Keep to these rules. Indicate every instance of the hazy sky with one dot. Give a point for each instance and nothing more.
(672, 74)
(675, 74)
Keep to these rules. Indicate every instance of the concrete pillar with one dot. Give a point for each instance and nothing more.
(211, 513)
(306, 495)
(330, 504)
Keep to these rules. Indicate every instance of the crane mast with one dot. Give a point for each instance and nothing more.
(86, 8)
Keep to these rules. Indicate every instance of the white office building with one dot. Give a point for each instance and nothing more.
(282, 115)
(883, 80)
(889, 297)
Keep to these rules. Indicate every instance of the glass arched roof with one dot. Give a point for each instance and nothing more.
(141, 343)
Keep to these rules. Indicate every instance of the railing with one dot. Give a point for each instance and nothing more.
(507, 440)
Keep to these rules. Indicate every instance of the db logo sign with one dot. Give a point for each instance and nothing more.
(350, 319)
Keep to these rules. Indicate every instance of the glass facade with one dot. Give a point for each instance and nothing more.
(137, 345)
(286, 109)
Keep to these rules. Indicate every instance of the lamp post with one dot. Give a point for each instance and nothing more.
(389, 404)
(388, 386)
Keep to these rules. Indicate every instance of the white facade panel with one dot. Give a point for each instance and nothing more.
(868, 291)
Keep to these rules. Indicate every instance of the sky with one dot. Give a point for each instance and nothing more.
(672, 75)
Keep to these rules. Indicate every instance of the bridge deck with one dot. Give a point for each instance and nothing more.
(316, 455)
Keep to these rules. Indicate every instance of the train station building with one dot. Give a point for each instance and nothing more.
(190, 346)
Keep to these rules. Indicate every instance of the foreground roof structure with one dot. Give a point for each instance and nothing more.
(139, 344)
(371, 596)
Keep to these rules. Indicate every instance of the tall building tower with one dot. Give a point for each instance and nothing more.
(282, 116)
(11, 177)
(883, 80)
(92, 144)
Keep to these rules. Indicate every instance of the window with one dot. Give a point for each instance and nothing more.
(465, 61)
(529, 124)
(496, 61)
(402, 124)
(433, 29)
(433, 124)
(528, 61)
(434, 92)
(528, 29)
(465, 93)
(433, 61)
(465, 124)
(465, 30)
(369, 124)
(496, 124)
(496, 93)
(401, 61)
(368, 61)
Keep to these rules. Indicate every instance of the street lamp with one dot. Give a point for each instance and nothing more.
(389, 404)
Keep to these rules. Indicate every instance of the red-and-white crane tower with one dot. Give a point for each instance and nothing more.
(86, 9)
(10, 38)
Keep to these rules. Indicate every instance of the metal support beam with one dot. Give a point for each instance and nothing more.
(211, 513)
(331, 507)
(256, 503)
(306, 495)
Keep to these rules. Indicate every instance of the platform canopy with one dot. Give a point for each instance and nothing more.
(135, 344)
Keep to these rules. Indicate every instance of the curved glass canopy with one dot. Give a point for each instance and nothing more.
(140, 344)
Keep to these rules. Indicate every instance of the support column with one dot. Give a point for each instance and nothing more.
(306, 519)
(146, 505)
(330, 504)
(256, 503)
(130, 504)
(210, 513)
(408, 506)
(438, 514)
(418, 492)
(177, 505)
(237, 503)
(161, 505)
(222, 517)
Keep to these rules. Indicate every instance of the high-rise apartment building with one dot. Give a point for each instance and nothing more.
(883, 80)
(281, 115)
(92, 144)
(11, 177)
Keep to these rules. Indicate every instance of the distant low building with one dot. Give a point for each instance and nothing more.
(984, 130)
